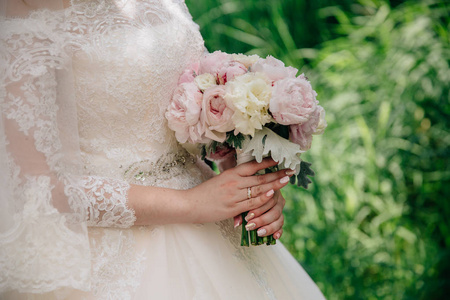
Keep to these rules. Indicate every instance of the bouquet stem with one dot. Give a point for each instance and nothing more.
(244, 237)
(251, 235)
(253, 238)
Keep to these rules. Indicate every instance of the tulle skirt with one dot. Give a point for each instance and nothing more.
(186, 261)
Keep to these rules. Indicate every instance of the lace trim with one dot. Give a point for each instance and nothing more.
(108, 203)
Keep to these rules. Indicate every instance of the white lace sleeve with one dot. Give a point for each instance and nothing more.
(41, 123)
(107, 202)
(46, 201)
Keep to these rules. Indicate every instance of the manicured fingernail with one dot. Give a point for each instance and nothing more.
(277, 236)
(237, 222)
(249, 217)
(284, 179)
(261, 232)
(250, 226)
(290, 172)
(270, 193)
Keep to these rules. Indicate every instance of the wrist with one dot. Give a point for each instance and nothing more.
(183, 206)
(154, 205)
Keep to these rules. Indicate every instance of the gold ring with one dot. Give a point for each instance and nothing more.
(249, 192)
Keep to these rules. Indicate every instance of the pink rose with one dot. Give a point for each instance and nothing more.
(216, 115)
(293, 101)
(189, 74)
(301, 134)
(213, 62)
(274, 68)
(183, 113)
(231, 70)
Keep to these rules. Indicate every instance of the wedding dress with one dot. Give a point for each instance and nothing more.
(84, 88)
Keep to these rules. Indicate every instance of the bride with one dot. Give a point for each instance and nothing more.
(98, 200)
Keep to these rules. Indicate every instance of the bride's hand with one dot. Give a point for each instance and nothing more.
(268, 218)
(226, 195)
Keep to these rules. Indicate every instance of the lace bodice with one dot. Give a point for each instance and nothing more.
(83, 95)
(125, 74)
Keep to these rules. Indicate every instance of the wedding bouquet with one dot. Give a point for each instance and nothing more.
(256, 106)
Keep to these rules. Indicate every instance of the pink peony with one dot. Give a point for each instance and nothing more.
(293, 101)
(274, 69)
(213, 62)
(189, 74)
(230, 71)
(183, 113)
(301, 134)
(216, 115)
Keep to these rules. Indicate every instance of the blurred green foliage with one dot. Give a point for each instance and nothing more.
(375, 223)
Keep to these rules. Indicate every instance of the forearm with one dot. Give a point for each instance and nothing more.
(218, 198)
(155, 205)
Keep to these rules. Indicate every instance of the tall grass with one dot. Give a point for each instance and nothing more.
(374, 223)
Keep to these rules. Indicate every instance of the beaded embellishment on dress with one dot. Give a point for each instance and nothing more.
(168, 166)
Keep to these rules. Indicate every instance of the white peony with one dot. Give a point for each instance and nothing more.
(205, 81)
(246, 60)
(322, 122)
(250, 95)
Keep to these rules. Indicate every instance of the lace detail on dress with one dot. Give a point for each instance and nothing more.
(108, 203)
(30, 259)
(116, 265)
(26, 107)
(246, 256)
(128, 64)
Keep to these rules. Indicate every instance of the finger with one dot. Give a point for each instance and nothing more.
(261, 210)
(237, 220)
(250, 168)
(271, 228)
(255, 202)
(274, 185)
(266, 219)
(266, 178)
(277, 234)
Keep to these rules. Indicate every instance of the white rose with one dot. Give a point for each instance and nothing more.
(250, 95)
(205, 81)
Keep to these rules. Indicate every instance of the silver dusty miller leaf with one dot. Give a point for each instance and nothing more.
(266, 142)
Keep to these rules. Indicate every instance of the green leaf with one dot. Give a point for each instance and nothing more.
(302, 179)
(209, 148)
(235, 141)
(267, 143)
